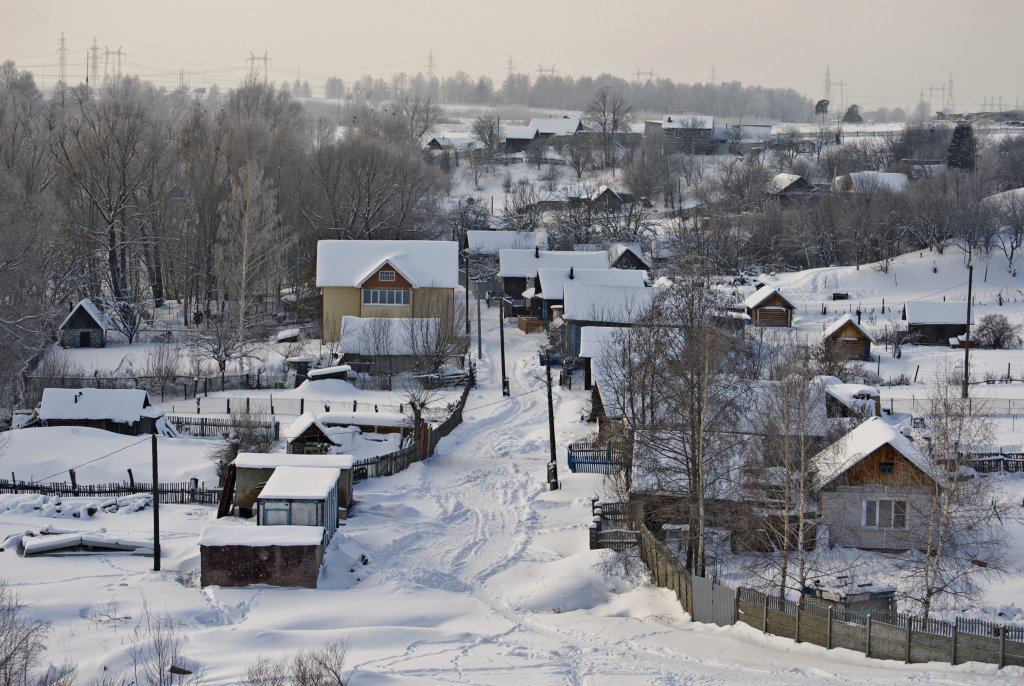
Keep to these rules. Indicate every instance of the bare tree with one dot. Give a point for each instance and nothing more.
(578, 153)
(488, 131)
(22, 641)
(420, 114)
(608, 113)
(323, 666)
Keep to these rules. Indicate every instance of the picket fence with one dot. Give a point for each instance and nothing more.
(883, 635)
(181, 493)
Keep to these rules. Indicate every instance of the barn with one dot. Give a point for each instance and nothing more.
(848, 339)
(121, 410)
(84, 327)
(935, 323)
(768, 307)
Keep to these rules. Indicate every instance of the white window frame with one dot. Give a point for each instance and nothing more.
(387, 297)
(888, 509)
(386, 275)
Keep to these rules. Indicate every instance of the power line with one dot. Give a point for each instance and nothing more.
(97, 459)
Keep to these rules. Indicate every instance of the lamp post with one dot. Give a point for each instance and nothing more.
(501, 330)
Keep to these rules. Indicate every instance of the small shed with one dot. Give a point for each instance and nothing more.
(340, 371)
(275, 555)
(84, 327)
(768, 307)
(300, 496)
(253, 471)
(313, 434)
(120, 410)
(298, 367)
(934, 323)
(848, 339)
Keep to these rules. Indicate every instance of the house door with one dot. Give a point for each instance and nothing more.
(85, 339)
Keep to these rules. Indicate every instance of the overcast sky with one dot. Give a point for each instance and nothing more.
(884, 50)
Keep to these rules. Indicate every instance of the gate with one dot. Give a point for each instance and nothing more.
(712, 603)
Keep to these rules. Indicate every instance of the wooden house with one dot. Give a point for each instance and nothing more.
(547, 127)
(588, 306)
(628, 256)
(84, 327)
(518, 268)
(551, 283)
(874, 488)
(122, 410)
(386, 279)
(692, 133)
(388, 346)
(869, 181)
(518, 138)
(788, 187)
(235, 556)
(768, 307)
(935, 323)
(253, 470)
(848, 339)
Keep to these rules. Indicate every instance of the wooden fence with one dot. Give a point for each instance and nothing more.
(883, 635)
(183, 493)
(392, 463)
(207, 427)
(596, 458)
(991, 463)
(160, 388)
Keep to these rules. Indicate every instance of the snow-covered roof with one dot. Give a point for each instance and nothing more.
(615, 251)
(458, 142)
(1011, 197)
(552, 281)
(848, 451)
(526, 263)
(90, 308)
(688, 121)
(593, 340)
(375, 336)
(314, 374)
(300, 483)
(490, 242)
(929, 312)
(274, 460)
(334, 434)
(217, 535)
(423, 263)
(762, 294)
(558, 126)
(866, 181)
(601, 303)
(125, 405)
(520, 132)
(838, 324)
(755, 132)
(781, 182)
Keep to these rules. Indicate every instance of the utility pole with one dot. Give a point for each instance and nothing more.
(967, 339)
(553, 464)
(501, 330)
(479, 331)
(466, 253)
(156, 510)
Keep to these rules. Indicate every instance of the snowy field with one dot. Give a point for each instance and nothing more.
(475, 574)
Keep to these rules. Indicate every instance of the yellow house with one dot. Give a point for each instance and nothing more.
(391, 279)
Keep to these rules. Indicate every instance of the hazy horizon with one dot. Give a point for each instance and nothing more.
(879, 53)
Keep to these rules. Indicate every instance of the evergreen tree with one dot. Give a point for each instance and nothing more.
(962, 148)
(852, 115)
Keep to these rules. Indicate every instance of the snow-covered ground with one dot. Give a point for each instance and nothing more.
(475, 574)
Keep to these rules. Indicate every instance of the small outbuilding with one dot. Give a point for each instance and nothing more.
(768, 307)
(274, 555)
(935, 323)
(313, 434)
(253, 471)
(84, 327)
(300, 496)
(848, 339)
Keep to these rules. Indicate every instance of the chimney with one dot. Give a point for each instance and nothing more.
(536, 251)
(571, 275)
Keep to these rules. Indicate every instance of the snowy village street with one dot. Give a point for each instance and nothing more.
(477, 574)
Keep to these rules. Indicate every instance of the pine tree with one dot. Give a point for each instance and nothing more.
(962, 148)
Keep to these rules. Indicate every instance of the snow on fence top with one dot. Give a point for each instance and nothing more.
(260, 536)
(490, 242)
(273, 460)
(375, 336)
(300, 483)
(926, 312)
(606, 303)
(525, 263)
(553, 281)
(839, 457)
(125, 405)
(423, 263)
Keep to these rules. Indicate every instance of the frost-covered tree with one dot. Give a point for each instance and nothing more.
(963, 148)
